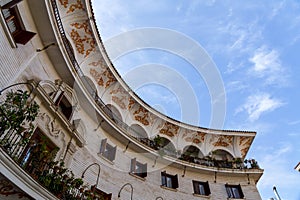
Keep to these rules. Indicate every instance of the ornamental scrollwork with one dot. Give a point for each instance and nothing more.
(222, 140)
(142, 115)
(100, 63)
(74, 6)
(119, 101)
(244, 144)
(194, 137)
(131, 103)
(82, 41)
(99, 77)
(169, 129)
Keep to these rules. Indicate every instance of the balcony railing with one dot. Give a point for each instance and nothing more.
(234, 164)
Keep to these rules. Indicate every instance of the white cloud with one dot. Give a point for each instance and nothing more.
(294, 122)
(267, 64)
(256, 105)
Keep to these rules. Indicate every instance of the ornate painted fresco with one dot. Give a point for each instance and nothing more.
(195, 137)
(221, 140)
(82, 37)
(142, 115)
(168, 129)
(72, 6)
(244, 144)
(104, 79)
(131, 102)
(120, 96)
(100, 63)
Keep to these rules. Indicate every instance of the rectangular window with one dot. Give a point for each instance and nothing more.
(234, 191)
(14, 23)
(138, 168)
(201, 188)
(170, 181)
(107, 150)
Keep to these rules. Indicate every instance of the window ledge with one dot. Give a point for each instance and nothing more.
(203, 196)
(136, 176)
(104, 158)
(167, 188)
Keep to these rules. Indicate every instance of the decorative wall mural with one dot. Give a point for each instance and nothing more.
(168, 129)
(221, 140)
(73, 6)
(120, 97)
(104, 79)
(100, 63)
(131, 102)
(119, 101)
(142, 115)
(85, 43)
(244, 144)
(194, 137)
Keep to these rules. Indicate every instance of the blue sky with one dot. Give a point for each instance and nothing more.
(255, 46)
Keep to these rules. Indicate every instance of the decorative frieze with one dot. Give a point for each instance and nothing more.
(73, 6)
(221, 140)
(85, 44)
(169, 129)
(195, 137)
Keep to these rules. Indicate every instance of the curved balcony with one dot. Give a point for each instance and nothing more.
(129, 133)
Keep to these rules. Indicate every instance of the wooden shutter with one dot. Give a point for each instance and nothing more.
(133, 165)
(196, 187)
(240, 191)
(164, 178)
(228, 190)
(112, 153)
(144, 170)
(175, 181)
(206, 187)
(103, 145)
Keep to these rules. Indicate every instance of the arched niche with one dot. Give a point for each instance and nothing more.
(221, 154)
(137, 131)
(113, 113)
(192, 151)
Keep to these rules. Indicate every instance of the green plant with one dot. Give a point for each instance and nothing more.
(157, 141)
(17, 110)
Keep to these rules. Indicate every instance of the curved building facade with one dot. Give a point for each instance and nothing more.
(101, 130)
